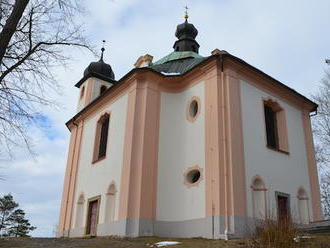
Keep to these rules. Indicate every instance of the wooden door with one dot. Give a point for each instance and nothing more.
(283, 208)
(92, 218)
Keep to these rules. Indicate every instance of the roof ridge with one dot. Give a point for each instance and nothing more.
(177, 55)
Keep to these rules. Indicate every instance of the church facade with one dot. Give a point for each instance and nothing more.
(187, 146)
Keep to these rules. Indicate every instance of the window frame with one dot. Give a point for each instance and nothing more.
(282, 143)
(199, 106)
(271, 125)
(187, 171)
(97, 139)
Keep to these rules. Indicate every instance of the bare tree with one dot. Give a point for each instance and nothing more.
(325, 194)
(33, 34)
(321, 129)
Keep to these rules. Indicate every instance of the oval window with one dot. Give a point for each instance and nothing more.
(193, 176)
(193, 109)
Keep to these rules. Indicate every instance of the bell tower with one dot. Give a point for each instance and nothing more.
(98, 77)
(186, 34)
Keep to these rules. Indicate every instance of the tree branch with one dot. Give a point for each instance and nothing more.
(10, 26)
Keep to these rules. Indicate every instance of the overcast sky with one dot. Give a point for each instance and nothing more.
(288, 40)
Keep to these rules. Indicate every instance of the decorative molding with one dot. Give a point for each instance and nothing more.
(257, 177)
(73, 176)
(81, 199)
(109, 190)
(312, 169)
(138, 189)
(267, 84)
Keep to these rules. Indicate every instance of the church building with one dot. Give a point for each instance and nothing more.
(187, 146)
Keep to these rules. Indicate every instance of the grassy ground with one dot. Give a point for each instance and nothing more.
(320, 241)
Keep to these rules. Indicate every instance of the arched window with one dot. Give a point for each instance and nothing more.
(80, 211)
(103, 89)
(82, 92)
(258, 198)
(101, 137)
(275, 123)
(110, 206)
(303, 206)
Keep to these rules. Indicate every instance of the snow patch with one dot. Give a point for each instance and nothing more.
(170, 73)
(299, 238)
(166, 243)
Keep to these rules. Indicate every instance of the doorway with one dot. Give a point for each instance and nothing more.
(92, 216)
(283, 206)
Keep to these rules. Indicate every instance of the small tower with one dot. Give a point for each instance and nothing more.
(186, 34)
(98, 77)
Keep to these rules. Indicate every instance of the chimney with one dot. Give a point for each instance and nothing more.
(143, 61)
(218, 52)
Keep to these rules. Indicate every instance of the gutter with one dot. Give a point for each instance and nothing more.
(313, 113)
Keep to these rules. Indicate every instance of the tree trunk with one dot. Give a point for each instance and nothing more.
(11, 25)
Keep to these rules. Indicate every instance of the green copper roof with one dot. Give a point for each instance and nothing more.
(177, 55)
(177, 67)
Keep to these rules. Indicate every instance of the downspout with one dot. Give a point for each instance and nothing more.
(69, 186)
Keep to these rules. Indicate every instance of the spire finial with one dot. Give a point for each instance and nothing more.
(186, 13)
(102, 50)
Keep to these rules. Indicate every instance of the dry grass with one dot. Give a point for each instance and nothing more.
(115, 242)
(271, 233)
(319, 241)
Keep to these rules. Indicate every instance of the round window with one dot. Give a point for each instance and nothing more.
(193, 176)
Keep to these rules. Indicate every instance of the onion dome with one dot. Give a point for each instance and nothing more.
(186, 34)
(100, 68)
(186, 31)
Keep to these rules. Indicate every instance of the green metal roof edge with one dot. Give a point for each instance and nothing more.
(177, 55)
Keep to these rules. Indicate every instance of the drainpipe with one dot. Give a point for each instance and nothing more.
(212, 219)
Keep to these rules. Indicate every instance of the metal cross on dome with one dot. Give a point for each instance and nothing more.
(102, 49)
(186, 12)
